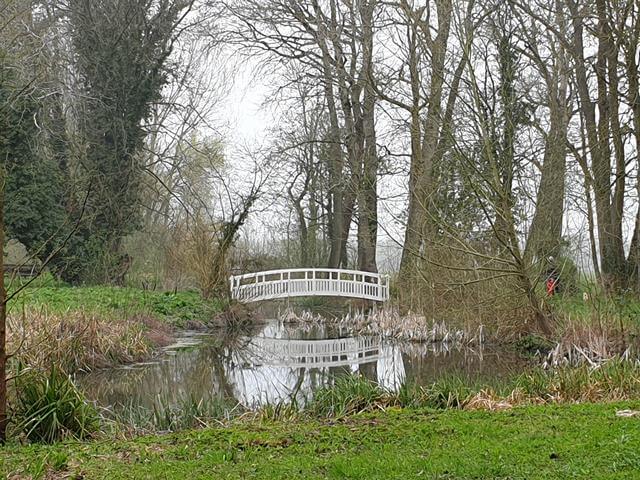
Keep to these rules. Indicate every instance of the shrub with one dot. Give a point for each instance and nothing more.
(49, 407)
(279, 411)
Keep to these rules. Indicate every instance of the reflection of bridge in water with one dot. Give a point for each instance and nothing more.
(272, 370)
(282, 363)
(314, 353)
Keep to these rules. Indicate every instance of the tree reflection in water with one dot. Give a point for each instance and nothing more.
(279, 363)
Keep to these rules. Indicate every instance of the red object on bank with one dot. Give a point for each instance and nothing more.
(551, 286)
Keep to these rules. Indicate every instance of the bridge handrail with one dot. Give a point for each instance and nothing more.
(315, 353)
(244, 276)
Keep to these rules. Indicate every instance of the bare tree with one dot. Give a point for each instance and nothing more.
(430, 102)
(334, 41)
(551, 62)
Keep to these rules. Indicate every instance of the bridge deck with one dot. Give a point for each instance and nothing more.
(301, 282)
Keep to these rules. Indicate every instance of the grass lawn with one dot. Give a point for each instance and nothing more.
(541, 442)
(177, 308)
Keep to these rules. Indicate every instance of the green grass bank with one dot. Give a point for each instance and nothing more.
(534, 442)
(180, 309)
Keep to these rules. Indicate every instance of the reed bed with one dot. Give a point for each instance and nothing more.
(612, 381)
(79, 341)
(576, 340)
(582, 342)
(292, 315)
(390, 323)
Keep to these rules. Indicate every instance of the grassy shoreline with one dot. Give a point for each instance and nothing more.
(551, 441)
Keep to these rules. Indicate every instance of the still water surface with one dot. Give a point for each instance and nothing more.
(279, 362)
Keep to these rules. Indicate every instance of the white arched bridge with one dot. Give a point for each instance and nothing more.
(309, 282)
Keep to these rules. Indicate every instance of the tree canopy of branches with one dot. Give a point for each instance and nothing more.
(508, 121)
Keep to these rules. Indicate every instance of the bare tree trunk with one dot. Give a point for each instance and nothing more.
(368, 194)
(593, 247)
(3, 320)
(411, 246)
(598, 134)
(545, 235)
(349, 201)
(303, 233)
(336, 163)
(314, 220)
(632, 36)
(420, 221)
(507, 65)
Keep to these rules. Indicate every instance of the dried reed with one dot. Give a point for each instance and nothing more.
(78, 341)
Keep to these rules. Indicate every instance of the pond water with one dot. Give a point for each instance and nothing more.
(278, 362)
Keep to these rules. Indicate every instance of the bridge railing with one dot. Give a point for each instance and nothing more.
(302, 282)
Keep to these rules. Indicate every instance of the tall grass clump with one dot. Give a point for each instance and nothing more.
(445, 393)
(448, 392)
(279, 411)
(171, 416)
(348, 395)
(613, 380)
(48, 407)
